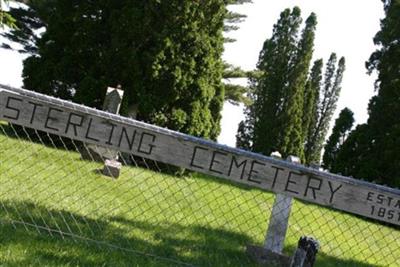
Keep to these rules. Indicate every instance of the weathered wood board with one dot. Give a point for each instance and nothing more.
(96, 127)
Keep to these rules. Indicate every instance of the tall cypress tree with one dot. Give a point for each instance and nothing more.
(292, 129)
(311, 99)
(277, 55)
(328, 97)
(339, 134)
(375, 146)
(274, 120)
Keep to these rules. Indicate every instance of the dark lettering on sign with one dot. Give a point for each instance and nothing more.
(389, 200)
(49, 118)
(313, 188)
(110, 136)
(149, 146)
(388, 211)
(73, 123)
(277, 169)
(289, 181)
(35, 105)
(382, 199)
(214, 161)
(129, 141)
(333, 190)
(237, 166)
(381, 212)
(379, 199)
(384, 213)
(86, 125)
(194, 156)
(253, 171)
(16, 117)
(390, 214)
(88, 131)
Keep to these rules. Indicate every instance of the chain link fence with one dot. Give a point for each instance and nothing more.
(58, 209)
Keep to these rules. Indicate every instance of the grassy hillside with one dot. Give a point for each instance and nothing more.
(145, 218)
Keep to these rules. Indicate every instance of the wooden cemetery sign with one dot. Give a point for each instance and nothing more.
(127, 135)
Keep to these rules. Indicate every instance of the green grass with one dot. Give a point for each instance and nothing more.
(74, 216)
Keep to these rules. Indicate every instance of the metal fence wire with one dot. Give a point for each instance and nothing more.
(57, 208)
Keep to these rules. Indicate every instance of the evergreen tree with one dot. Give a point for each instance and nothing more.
(166, 55)
(274, 120)
(232, 19)
(276, 61)
(339, 134)
(235, 93)
(245, 132)
(311, 98)
(292, 130)
(328, 97)
(374, 147)
(243, 137)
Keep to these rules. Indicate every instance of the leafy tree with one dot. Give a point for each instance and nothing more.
(339, 134)
(166, 55)
(274, 120)
(328, 97)
(5, 18)
(374, 146)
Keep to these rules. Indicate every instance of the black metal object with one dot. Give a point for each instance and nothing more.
(306, 252)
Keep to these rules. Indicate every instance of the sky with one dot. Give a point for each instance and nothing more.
(345, 27)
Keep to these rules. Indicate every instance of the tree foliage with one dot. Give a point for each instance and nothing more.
(235, 93)
(328, 95)
(311, 99)
(276, 58)
(243, 136)
(340, 131)
(291, 108)
(372, 150)
(5, 18)
(232, 19)
(292, 113)
(274, 120)
(166, 55)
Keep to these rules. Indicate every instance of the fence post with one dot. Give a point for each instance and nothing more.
(270, 254)
(275, 236)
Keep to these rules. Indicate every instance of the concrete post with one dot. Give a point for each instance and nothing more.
(278, 224)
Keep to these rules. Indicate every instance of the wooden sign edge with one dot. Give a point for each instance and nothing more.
(213, 145)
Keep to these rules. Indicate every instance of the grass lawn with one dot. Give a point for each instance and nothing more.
(74, 216)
